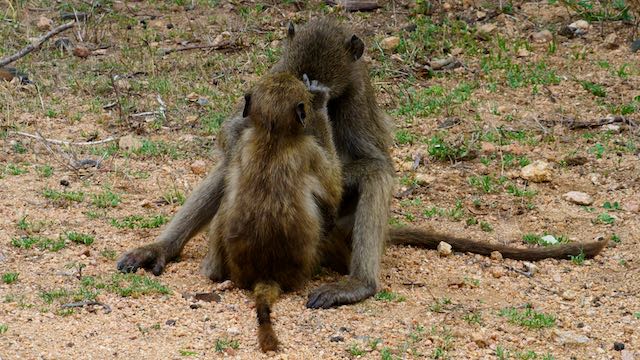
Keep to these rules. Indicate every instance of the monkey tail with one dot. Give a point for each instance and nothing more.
(266, 293)
(430, 240)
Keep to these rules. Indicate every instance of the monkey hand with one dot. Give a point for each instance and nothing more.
(320, 92)
(151, 256)
(347, 291)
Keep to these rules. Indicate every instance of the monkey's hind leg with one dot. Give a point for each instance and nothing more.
(214, 265)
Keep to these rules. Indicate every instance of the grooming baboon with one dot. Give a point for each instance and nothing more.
(331, 53)
(282, 190)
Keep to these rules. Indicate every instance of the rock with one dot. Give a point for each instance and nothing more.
(549, 240)
(542, 36)
(614, 128)
(611, 41)
(233, 331)
(129, 143)
(522, 52)
(631, 206)
(538, 171)
(81, 52)
(568, 295)
(444, 249)
(570, 338)
(497, 272)
(635, 46)
(530, 268)
(170, 322)
(496, 255)
(578, 197)
(580, 25)
(225, 285)
(424, 179)
(626, 355)
(618, 346)
(336, 338)
(44, 23)
(390, 43)
(487, 147)
(479, 339)
(207, 297)
(485, 30)
(199, 167)
(195, 306)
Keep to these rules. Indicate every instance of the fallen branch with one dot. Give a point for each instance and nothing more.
(224, 45)
(62, 142)
(107, 308)
(36, 44)
(574, 124)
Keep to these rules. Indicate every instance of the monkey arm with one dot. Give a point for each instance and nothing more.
(196, 212)
(368, 235)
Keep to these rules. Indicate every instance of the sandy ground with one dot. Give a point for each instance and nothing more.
(429, 306)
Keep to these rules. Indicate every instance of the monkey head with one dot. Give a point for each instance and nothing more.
(278, 103)
(325, 51)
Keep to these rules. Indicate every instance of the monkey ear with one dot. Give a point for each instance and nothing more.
(291, 30)
(300, 113)
(356, 47)
(247, 105)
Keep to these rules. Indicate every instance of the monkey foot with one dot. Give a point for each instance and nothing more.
(151, 257)
(347, 291)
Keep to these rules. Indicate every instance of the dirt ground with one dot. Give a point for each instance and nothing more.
(463, 135)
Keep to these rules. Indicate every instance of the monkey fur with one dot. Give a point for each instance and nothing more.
(330, 52)
(283, 187)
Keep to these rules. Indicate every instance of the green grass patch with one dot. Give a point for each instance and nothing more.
(10, 277)
(80, 238)
(528, 318)
(139, 222)
(106, 199)
(43, 243)
(56, 195)
(389, 296)
(222, 344)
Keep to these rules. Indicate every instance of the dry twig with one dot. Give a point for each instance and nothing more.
(107, 308)
(224, 45)
(36, 44)
(62, 142)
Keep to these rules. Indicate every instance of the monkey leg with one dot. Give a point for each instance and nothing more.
(197, 211)
(214, 265)
(369, 236)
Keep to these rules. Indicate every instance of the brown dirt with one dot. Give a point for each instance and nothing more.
(442, 307)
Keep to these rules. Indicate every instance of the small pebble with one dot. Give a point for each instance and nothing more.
(337, 338)
(444, 249)
(170, 322)
(496, 255)
(618, 346)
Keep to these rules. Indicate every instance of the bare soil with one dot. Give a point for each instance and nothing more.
(515, 111)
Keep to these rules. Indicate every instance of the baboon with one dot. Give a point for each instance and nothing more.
(282, 190)
(329, 52)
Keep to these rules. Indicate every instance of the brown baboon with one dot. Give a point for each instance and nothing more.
(331, 53)
(282, 189)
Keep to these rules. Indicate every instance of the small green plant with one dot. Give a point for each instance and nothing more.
(222, 344)
(10, 277)
(616, 239)
(106, 199)
(594, 89)
(637, 315)
(188, 353)
(55, 195)
(605, 218)
(615, 206)
(50, 296)
(578, 259)
(528, 318)
(43, 243)
(109, 254)
(486, 183)
(386, 295)
(404, 137)
(23, 224)
(134, 285)
(3, 328)
(45, 171)
(485, 226)
(15, 169)
(441, 150)
(516, 191)
(139, 222)
(473, 318)
(355, 350)
(80, 238)
(598, 150)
